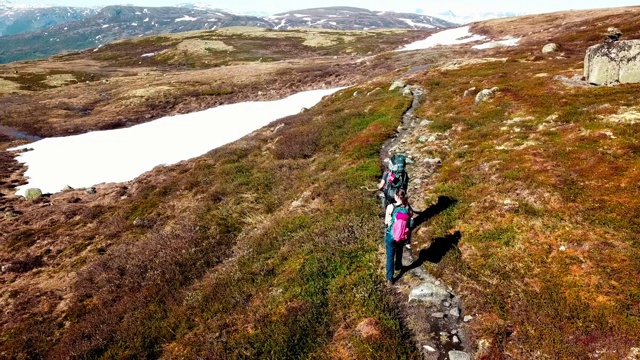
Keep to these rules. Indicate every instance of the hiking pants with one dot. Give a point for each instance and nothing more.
(394, 254)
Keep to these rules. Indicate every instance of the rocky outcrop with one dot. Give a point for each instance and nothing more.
(611, 63)
(550, 48)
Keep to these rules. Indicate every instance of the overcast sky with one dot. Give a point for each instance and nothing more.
(276, 6)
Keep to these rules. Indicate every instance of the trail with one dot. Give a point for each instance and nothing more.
(431, 310)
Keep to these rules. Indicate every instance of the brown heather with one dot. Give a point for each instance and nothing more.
(268, 247)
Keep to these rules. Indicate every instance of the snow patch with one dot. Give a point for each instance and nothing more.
(415, 24)
(186, 18)
(123, 154)
(455, 36)
(493, 43)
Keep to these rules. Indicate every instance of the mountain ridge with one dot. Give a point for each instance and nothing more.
(122, 22)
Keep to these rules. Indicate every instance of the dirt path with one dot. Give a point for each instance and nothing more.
(432, 311)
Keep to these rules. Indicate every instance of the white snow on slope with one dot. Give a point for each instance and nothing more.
(123, 154)
(455, 36)
(493, 43)
(415, 24)
(186, 18)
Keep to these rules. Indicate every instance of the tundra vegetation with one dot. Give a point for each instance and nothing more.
(269, 246)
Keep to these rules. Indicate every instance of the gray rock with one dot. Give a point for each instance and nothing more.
(613, 62)
(446, 303)
(425, 122)
(469, 92)
(429, 348)
(468, 318)
(374, 91)
(32, 193)
(90, 190)
(455, 312)
(437, 315)
(397, 84)
(486, 94)
(407, 92)
(550, 48)
(429, 292)
(67, 188)
(455, 340)
(423, 139)
(458, 355)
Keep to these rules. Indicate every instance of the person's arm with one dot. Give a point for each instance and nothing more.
(382, 181)
(387, 215)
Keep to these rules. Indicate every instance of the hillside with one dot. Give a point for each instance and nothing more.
(34, 33)
(270, 246)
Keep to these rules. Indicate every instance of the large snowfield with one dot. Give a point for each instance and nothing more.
(122, 155)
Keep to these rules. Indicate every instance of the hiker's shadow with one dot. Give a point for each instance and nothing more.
(435, 252)
(443, 203)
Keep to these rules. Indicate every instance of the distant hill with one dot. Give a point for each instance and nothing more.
(89, 30)
(16, 20)
(351, 18)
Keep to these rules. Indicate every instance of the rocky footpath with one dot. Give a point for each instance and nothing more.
(432, 310)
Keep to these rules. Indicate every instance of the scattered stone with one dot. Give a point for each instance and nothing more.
(446, 303)
(612, 63)
(634, 354)
(374, 91)
(429, 293)
(432, 161)
(612, 34)
(423, 139)
(429, 348)
(563, 248)
(356, 93)
(550, 48)
(397, 84)
(486, 94)
(455, 312)
(407, 92)
(67, 188)
(469, 92)
(425, 122)
(467, 318)
(91, 190)
(437, 315)
(458, 355)
(454, 332)
(455, 339)
(32, 193)
(303, 110)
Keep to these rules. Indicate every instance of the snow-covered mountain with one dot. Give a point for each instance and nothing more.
(351, 18)
(17, 18)
(466, 18)
(40, 32)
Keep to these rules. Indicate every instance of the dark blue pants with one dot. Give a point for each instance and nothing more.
(394, 254)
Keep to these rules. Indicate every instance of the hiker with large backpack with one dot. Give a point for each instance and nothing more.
(393, 179)
(397, 219)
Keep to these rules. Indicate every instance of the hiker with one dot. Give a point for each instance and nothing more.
(397, 219)
(393, 179)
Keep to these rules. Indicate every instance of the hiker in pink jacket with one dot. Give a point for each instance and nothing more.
(397, 220)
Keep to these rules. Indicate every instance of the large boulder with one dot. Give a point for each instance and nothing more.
(550, 48)
(32, 193)
(613, 62)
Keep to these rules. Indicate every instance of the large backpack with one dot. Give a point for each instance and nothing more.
(400, 223)
(396, 177)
